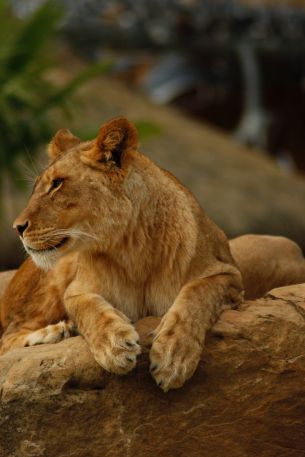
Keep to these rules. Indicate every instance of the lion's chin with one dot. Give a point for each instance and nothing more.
(45, 260)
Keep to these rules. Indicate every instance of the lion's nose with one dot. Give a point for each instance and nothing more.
(21, 228)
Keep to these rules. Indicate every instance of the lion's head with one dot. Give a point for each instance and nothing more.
(82, 196)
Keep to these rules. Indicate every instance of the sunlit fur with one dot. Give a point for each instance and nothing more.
(144, 247)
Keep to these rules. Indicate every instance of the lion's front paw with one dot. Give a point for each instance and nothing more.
(174, 356)
(115, 345)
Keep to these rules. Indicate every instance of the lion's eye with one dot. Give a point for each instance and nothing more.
(56, 183)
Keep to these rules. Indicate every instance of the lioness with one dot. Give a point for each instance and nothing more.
(128, 240)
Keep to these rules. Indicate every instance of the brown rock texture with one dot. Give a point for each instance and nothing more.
(246, 399)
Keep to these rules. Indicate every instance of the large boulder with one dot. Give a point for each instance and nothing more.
(246, 399)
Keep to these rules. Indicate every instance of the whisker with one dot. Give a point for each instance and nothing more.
(34, 168)
(59, 233)
(29, 175)
(75, 233)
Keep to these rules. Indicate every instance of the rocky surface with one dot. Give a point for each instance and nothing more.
(247, 398)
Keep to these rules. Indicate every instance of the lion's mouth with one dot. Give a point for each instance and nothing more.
(49, 249)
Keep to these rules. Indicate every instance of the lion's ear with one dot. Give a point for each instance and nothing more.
(61, 142)
(114, 138)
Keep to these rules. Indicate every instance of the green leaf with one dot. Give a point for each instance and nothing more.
(27, 96)
(147, 129)
(32, 38)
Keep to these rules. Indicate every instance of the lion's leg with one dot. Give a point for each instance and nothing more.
(267, 262)
(112, 339)
(46, 335)
(51, 333)
(179, 338)
(13, 340)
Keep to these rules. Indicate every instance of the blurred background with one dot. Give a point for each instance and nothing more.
(215, 87)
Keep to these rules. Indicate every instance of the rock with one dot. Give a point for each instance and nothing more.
(246, 399)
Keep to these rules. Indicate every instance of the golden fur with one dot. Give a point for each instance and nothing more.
(125, 240)
(267, 262)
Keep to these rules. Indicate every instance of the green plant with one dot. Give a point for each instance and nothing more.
(27, 95)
